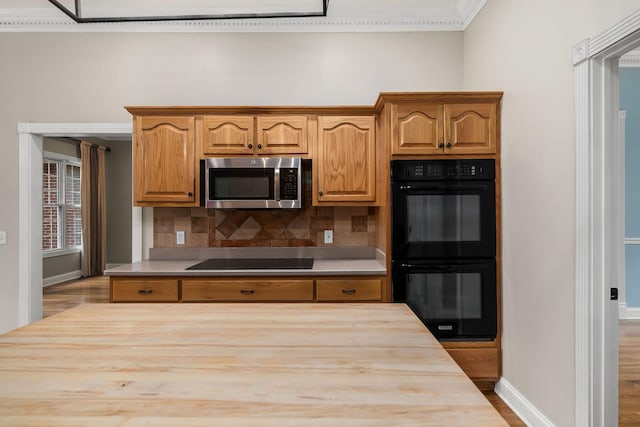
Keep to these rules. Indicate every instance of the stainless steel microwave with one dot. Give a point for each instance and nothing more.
(251, 183)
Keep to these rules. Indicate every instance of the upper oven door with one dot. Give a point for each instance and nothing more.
(444, 219)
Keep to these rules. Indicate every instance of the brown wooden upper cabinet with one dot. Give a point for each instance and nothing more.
(444, 128)
(344, 160)
(165, 161)
(252, 135)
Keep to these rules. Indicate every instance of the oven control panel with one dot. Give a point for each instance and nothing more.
(427, 170)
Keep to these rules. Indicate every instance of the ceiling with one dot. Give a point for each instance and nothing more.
(342, 15)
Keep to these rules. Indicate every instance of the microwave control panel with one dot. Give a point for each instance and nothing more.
(289, 184)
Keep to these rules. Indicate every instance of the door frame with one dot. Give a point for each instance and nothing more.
(30, 140)
(597, 250)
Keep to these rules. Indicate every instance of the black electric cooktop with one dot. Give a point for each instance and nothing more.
(253, 263)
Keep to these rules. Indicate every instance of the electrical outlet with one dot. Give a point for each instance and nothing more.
(180, 237)
(328, 237)
(3, 237)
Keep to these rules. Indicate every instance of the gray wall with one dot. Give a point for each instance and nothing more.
(89, 77)
(119, 198)
(525, 49)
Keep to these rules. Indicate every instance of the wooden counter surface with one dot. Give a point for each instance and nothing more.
(234, 365)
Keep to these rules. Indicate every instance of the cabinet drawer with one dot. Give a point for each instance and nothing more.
(349, 290)
(132, 290)
(247, 290)
(477, 363)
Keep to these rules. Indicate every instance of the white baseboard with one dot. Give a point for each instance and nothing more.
(628, 313)
(528, 413)
(48, 281)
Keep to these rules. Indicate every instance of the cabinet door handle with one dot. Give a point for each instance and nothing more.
(440, 145)
(250, 145)
(246, 291)
(259, 146)
(190, 194)
(449, 144)
(145, 291)
(320, 193)
(349, 291)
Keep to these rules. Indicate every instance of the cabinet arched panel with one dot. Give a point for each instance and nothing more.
(346, 159)
(419, 129)
(165, 160)
(226, 135)
(281, 135)
(470, 128)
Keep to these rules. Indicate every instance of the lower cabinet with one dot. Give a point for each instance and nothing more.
(479, 360)
(246, 289)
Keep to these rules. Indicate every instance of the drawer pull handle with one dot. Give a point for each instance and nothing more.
(246, 291)
(349, 291)
(145, 291)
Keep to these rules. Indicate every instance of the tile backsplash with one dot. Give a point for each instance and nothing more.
(352, 226)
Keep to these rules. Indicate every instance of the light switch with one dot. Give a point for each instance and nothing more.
(3, 237)
(180, 237)
(328, 237)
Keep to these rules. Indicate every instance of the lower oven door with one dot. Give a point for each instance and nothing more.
(455, 299)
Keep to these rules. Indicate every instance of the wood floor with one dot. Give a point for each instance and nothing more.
(60, 297)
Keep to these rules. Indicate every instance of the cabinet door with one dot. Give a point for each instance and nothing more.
(345, 170)
(337, 290)
(165, 162)
(470, 128)
(225, 135)
(281, 135)
(417, 129)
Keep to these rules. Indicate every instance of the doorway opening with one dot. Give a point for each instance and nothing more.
(31, 137)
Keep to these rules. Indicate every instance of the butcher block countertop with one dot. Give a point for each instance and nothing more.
(234, 365)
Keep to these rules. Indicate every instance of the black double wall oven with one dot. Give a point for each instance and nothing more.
(444, 245)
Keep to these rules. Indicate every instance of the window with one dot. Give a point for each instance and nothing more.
(61, 215)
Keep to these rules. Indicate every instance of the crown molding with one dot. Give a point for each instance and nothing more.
(45, 20)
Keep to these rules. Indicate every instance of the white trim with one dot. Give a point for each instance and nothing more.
(628, 313)
(65, 277)
(30, 137)
(622, 289)
(583, 273)
(632, 241)
(30, 229)
(339, 19)
(524, 409)
(57, 156)
(595, 77)
(61, 252)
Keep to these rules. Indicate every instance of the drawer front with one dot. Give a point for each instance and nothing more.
(349, 290)
(152, 290)
(247, 290)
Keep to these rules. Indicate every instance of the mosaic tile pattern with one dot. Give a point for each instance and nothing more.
(352, 226)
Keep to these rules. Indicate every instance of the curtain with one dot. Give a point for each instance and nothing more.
(94, 213)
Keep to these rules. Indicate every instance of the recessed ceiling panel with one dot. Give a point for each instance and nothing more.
(156, 10)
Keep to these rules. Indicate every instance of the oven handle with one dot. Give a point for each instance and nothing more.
(444, 187)
(440, 267)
